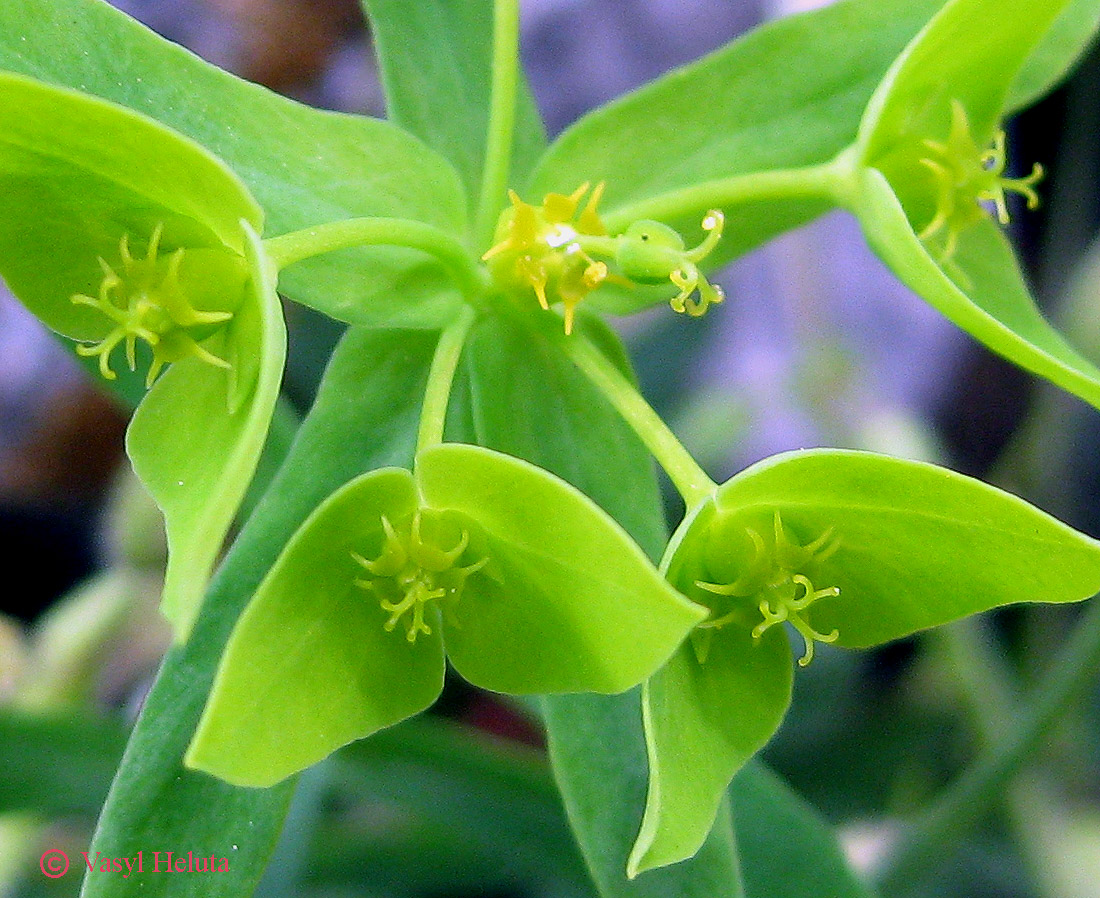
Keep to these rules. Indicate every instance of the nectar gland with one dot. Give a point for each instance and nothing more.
(775, 582)
(411, 571)
(563, 252)
(145, 300)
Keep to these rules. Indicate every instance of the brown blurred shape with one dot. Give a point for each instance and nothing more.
(70, 452)
(283, 44)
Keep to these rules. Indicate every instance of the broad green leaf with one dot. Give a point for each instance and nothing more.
(523, 386)
(922, 140)
(987, 297)
(787, 850)
(916, 545)
(963, 64)
(486, 808)
(195, 456)
(752, 106)
(373, 387)
(435, 59)
(309, 667)
(304, 166)
(598, 755)
(567, 601)
(530, 401)
(1058, 50)
(68, 197)
(890, 547)
(971, 52)
(704, 719)
(58, 762)
(94, 229)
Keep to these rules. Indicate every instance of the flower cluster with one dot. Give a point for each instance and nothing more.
(411, 572)
(145, 300)
(965, 177)
(563, 254)
(776, 581)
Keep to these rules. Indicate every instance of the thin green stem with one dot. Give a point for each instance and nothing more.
(826, 181)
(294, 247)
(690, 480)
(502, 118)
(933, 833)
(989, 690)
(441, 375)
(985, 683)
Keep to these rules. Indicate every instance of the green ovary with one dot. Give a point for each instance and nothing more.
(775, 583)
(562, 252)
(412, 571)
(148, 299)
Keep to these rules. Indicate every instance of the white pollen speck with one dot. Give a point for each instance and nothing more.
(560, 235)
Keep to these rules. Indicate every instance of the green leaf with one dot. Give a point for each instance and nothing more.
(435, 59)
(923, 137)
(597, 751)
(971, 52)
(309, 667)
(195, 457)
(749, 107)
(1058, 50)
(304, 166)
(916, 545)
(805, 860)
(68, 197)
(567, 602)
(488, 808)
(58, 762)
(704, 719)
(888, 547)
(987, 298)
(519, 382)
(373, 386)
(76, 208)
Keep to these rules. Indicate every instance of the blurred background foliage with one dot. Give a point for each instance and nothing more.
(817, 345)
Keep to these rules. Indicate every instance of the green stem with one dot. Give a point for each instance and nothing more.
(826, 181)
(690, 480)
(287, 249)
(502, 118)
(934, 833)
(441, 375)
(988, 688)
(986, 684)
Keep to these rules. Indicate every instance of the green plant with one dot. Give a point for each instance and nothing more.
(474, 480)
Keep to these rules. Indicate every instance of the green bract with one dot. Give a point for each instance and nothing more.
(526, 583)
(134, 241)
(929, 151)
(849, 547)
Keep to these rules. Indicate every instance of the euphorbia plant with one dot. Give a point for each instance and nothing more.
(473, 481)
